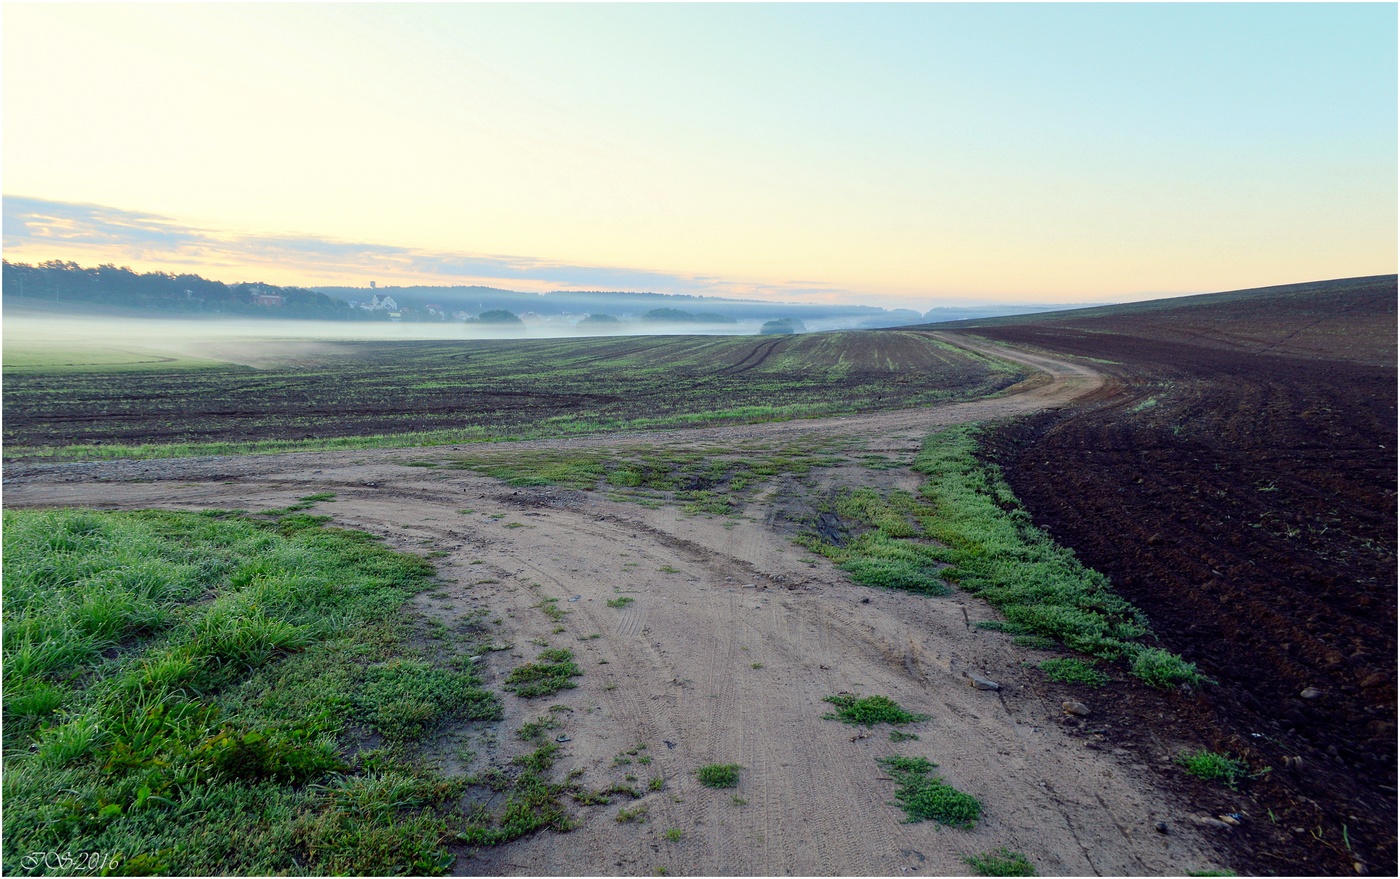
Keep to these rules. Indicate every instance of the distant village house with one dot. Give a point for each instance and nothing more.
(266, 300)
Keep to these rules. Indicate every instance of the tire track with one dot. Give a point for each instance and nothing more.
(765, 347)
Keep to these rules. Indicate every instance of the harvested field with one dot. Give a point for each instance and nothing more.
(385, 393)
(1247, 502)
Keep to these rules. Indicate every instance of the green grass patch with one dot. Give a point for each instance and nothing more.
(870, 710)
(188, 692)
(1074, 671)
(1000, 862)
(551, 672)
(719, 775)
(23, 357)
(1211, 766)
(924, 796)
(880, 541)
(621, 601)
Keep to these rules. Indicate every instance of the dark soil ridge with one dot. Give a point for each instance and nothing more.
(1247, 503)
(1349, 319)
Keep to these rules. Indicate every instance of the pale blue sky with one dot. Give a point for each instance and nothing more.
(899, 154)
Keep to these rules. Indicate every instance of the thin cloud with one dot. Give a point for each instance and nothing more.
(36, 228)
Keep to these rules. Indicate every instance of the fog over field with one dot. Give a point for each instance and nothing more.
(244, 341)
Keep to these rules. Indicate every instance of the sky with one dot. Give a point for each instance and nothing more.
(904, 155)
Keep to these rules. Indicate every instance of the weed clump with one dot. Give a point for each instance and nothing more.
(870, 710)
(1074, 671)
(1165, 670)
(719, 775)
(1210, 766)
(924, 796)
(621, 601)
(545, 677)
(1000, 862)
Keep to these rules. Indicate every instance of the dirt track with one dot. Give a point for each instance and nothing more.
(733, 639)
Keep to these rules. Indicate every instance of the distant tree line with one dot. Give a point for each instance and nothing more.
(108, 285)
(477, 299)
(675, 315)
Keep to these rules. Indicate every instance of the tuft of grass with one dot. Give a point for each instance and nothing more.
(550, 608)
(1000, 862)
(924, 796)
(719, 775)
(622, 601)
(634, 815)
(672, 834)
(1212, 766)
(536, 728)
(897, 736)
(551, 673)
(1074, 671)
(1165, 670)
(870, 710)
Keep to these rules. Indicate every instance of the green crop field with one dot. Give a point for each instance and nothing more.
(21, 357)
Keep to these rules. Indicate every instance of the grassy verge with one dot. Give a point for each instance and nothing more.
(967, 527)
(996, 552)
(218, 694)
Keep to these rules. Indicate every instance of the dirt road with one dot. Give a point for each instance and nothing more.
(733, 638)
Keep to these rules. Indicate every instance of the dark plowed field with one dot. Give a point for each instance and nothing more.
(1247, 502)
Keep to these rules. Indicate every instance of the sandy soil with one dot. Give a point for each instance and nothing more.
(734, 637)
